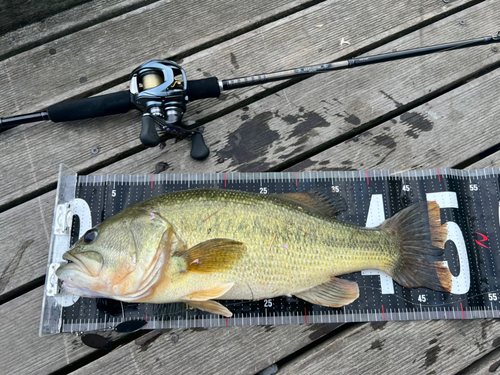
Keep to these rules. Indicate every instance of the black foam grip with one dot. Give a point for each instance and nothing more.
(103, 105)
(203, 88)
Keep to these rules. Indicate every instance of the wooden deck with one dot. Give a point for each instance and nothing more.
(436, 111)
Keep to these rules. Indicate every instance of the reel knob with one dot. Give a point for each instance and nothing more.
(199, 150)
(149, 136)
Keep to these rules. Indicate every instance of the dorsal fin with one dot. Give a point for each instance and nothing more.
(315, 202)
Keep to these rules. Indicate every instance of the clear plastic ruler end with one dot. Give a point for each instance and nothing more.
(66, 206)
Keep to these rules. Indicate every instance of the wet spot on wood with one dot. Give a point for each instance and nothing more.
(160, 167)
(398, 104)
(353, 120)
(324, 162)
(301, 109)
(234, 62)
(307, 122)
(207, 75)
(377, 325)
(145, 341)
(431, 355)
(433, 341)
(250, 142)
(494, 366)
(496, 342)
(52, 51)
(245, 108)
(290, 119)
(394, 121)
(385, 140)
(347, 162)
(417, 124)
(377, 344)
(244, 117)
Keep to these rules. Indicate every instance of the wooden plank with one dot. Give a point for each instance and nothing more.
(25, 239)
(18, 13)
(430, 347)
(236, 350)
(71, 143)
(441, 132)
(487, 364)
(65, 22)
(22, 351)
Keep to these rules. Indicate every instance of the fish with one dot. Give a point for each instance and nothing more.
(203, 245)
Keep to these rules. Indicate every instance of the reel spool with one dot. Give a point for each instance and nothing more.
(155, 89)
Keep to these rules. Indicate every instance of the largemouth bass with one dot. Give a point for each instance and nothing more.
(198, 246)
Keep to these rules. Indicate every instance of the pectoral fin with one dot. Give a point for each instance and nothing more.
(335, 293)
(216, 255)
(204, 295)
(211, 307)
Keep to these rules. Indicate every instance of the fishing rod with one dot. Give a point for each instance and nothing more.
(160, 89)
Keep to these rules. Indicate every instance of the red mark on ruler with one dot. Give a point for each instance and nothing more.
(383, 313)
(152, 176)
(367, 178)
(483, 238)
(439, 176)
(296, 180)
(227, 321)
(462, 307)
(305, 314)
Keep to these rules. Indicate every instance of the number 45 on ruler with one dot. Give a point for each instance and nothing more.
(445, 199)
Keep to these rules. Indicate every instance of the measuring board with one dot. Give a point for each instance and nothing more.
(469, 202)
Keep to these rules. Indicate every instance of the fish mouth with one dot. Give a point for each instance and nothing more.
(93, 271)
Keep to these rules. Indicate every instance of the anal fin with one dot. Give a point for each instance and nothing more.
(335, 293)
(211, 307)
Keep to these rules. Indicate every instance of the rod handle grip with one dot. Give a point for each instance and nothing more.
(203, 89)
(97, 106)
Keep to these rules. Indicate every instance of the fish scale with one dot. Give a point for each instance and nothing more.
(464, 198)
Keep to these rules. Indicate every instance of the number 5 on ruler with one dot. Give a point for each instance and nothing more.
(445, 199)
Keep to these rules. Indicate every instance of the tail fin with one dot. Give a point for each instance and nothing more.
(420, 238)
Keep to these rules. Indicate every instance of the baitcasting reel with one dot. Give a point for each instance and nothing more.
(160, 89)
(156, 90)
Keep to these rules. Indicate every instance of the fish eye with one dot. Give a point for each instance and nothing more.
(90, 236)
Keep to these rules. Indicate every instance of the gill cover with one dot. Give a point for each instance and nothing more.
(153, 238)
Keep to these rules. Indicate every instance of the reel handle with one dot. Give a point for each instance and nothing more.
(199, 150)
(149, 136)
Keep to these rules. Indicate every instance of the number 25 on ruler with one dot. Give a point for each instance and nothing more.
(445, 199)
